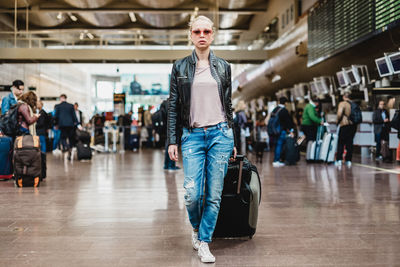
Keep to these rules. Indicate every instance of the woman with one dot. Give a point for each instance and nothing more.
(380, 118)
(26, 118)
(200, 103)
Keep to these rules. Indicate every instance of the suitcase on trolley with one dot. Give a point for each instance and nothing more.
(6, 171)
(241, 197)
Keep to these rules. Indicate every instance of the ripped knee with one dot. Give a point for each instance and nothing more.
(190, 195)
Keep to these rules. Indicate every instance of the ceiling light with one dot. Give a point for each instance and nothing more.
(91, 37)
(132, 16)
(59, 16)
(72, 17)
(81, 36)
(140, 37)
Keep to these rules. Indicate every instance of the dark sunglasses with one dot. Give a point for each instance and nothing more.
(205, 32)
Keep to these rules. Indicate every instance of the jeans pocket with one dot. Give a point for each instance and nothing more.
(227, 132)
(185, 135)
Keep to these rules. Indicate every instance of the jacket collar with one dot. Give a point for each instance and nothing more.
(211, 58)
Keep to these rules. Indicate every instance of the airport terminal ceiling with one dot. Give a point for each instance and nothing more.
(123, 25)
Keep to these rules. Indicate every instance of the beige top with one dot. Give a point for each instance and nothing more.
(344, 110)
(205, 104)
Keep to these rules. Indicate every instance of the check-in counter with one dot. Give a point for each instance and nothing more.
(365, 132)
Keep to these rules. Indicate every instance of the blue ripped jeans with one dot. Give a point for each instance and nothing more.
(206, 155)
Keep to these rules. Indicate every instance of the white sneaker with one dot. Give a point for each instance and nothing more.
(205, 254)
(338, 163)
(278, 164)
(348, 163)
(195, 240)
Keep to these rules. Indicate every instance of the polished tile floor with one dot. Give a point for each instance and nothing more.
(124, 210)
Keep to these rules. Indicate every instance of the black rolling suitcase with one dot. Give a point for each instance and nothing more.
(134, 142)
(83, 151)
(291, 151)
(241, 197)
(82, 136)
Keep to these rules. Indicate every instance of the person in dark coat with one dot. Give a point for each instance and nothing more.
(43, 124)
(66, 120)
(78, 114)
(287, 128)
(380, 118)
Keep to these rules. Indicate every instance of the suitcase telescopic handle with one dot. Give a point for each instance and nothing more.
(240, 158)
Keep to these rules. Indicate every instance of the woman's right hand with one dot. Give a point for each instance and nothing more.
(173, 152)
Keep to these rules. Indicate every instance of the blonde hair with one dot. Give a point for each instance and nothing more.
(204, 18)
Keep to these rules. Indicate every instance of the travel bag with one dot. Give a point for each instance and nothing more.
(385, 151)
(27, 161)
(241, 197)
(5, 158)
(83, 151)
(314, 147)
(82, 136)
(291, 151)
(328, 148)
(134, 142)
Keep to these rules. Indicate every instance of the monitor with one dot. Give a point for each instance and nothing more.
(341, 79)
(394, 60)
(313, 87)
(321, 87)
(357, 73)
(383, 66)
(302, 89)
(352, 78)
(325, 84)
(293, 92)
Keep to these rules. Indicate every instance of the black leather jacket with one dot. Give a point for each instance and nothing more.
(182, 77)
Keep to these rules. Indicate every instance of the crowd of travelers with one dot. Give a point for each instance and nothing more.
(272, 131)
(23, 114)
(255, 131)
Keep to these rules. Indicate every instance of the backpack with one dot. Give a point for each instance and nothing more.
(274, 126)
(355, 114)
(9, 124)
(395, 122)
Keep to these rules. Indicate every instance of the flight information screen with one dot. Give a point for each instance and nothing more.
(386, 12)
(336, 25)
